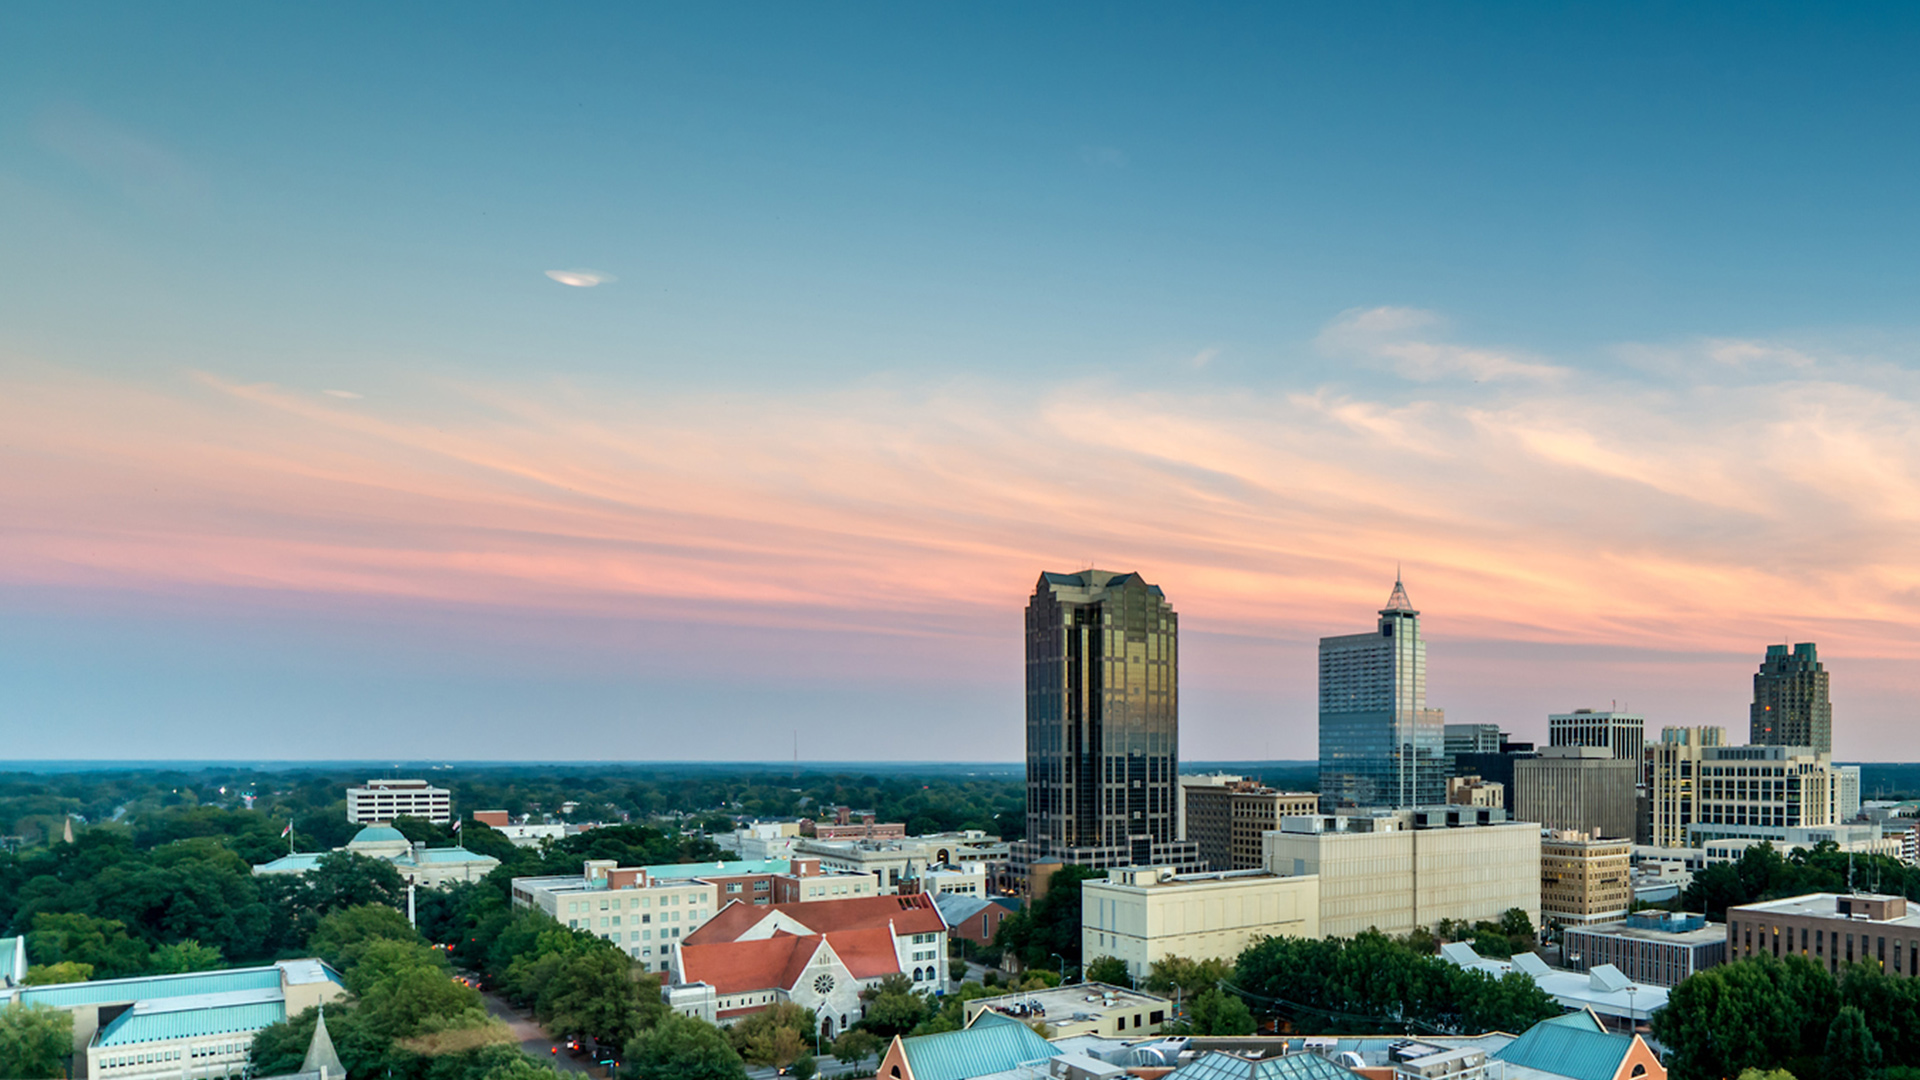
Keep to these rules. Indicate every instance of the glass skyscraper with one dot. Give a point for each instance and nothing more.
(1380, 746)
(1791, 706)
(1103, 723)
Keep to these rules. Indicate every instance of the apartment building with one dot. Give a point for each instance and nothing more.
(384, 800)
(1396, 870)
(1584, 880)
(1145, 914)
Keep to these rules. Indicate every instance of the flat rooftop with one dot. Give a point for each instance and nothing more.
(1707, 934)
(1822, 906)
(1061, 1002)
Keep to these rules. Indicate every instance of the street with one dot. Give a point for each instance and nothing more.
(533, 1040)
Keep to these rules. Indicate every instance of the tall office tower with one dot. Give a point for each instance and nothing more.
(1579, 789)
(1623, 733)
(1673, 783)
(1472, 739)
(1380, 746)
(1790, 702)
(1103, 724)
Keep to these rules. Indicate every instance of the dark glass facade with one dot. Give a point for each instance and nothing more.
(1103, 707)
(1790, 702)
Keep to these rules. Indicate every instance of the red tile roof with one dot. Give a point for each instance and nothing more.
(914, 914)
(739, 967)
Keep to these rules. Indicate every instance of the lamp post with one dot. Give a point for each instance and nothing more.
(1063, 967)
(1633, 1022)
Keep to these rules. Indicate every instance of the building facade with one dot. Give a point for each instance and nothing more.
(1761, 792)
(384, 800)
(1584, 880)
(1471, 739)
(417, 863)
(1225, 821)
(1657, 947)
(1830, 929)
(1103, 731)
(1380, 745)
(648, 910)
(1671, 773)
(1145, 914)
(1624, 734)
(1473, 791)
(1397, 871)
(1578, 789)
(1791, 701)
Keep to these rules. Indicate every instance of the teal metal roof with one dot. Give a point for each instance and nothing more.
(68, 995)
(290, 864)
(977, 1051)
(378, 834)
(1568, 1046)
(1218, 1066)
(444, 854)
(137, 1026)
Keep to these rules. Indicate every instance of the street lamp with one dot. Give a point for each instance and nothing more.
(1633, 1021)
(1063, 967)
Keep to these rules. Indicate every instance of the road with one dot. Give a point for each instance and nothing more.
(533, 1040)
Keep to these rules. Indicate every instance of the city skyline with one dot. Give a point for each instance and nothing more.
(413, 385)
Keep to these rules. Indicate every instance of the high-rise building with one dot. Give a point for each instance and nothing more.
(1103, 724)
(1380, 746)
(1472, 739)
(1762, 792)
(1623, 733)
(1584, 880)
(1577, 788)
(1791, 706)
(1672, 782)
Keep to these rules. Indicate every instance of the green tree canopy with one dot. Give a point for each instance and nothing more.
(1852, 1053)
(340, 936)
(893, 1007)
(35, 1042)
(1218, 1012)
(684, 1048)
(1109, 969)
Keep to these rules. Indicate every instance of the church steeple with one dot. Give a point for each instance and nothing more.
(320, 1055)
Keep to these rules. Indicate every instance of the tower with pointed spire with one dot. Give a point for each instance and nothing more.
(321, 1059)
(1380, 745)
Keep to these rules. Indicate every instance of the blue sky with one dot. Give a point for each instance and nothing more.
(301, 427)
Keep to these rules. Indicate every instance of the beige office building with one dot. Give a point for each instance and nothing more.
(1584, 880)
(1762, 792)
(1672, 773)
(1145, 914)
(1577, 788)
(1226, 820)
(1398, 870)
(1473, 791)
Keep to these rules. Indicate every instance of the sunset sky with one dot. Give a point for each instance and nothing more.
(646, 382)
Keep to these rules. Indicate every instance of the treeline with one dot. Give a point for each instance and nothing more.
(1763, 873)
(1769, 1014)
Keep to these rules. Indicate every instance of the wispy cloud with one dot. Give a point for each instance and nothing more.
(348, 394)
(1403, 339)
(581, 279)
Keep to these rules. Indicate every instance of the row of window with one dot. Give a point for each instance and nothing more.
(166, 1054)
(613, 903)
(633, 935)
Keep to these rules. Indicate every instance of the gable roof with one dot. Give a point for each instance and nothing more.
(1573, 1046)
(737, 967)
(915, 914)
(975, 1051)
(957, 908)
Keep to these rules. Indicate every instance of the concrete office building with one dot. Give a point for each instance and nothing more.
(1398, 870)
(1496, 768)
(1380, 745)
(1145, 914)
(1830, 929)
(1791, 703)
(380, 801)
(1578, 789)
(1473, 791)
(1658, 947)
(1584, 880)
(1672, 770)
(1624, 734)
(1761, 792)
(1225, 821)
(1846, 793)
(1103, 724)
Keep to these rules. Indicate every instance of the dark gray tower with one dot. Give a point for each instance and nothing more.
(1103, 723)
(1790, 702)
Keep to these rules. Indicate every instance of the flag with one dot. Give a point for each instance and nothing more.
(456, 824)
(286, 832)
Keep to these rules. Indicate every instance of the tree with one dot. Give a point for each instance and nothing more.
(66, 971)
(1109, 969)
(857, 1045)
(102, 943)
(776, 1035)
(1051, 924)
(684, 1048)
(893, 1008)
(1851, 1051)
(593, 992)
(1217, 1012)
(346, 879)
(341, 935)
(35, 1041)
(1189, 978)
(1767, 1074)
(804, 1067)
(185, 956)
